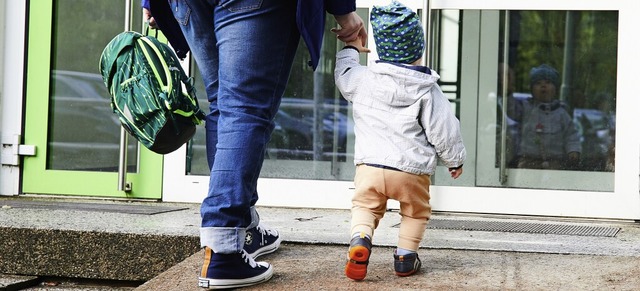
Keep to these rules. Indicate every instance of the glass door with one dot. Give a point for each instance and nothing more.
(552, 146)
(68, 116)
(556, 127)
(590, 45)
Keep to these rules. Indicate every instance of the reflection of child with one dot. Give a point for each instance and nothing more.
(403, 123)
(549, 138)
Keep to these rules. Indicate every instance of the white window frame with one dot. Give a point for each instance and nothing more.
(623, 203)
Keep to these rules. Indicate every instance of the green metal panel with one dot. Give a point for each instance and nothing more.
(37, 178)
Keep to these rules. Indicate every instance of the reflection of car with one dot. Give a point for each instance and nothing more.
(296, 127)
(293, 135)
(84, 134)
(596, 130)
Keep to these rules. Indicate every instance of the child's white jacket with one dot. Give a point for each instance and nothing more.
(402, 118)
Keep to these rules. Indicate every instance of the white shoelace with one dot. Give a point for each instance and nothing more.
(248, 259)
(265, 230)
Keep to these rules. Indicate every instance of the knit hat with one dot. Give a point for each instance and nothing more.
(544, 72)
(397, 32)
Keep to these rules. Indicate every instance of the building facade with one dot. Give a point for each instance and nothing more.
(59, 136)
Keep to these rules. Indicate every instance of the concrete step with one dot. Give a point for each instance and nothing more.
(15, 282)
(108, 240)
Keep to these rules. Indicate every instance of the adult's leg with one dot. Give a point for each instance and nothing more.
(247, 48)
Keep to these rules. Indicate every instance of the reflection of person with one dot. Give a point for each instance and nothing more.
(403, 123)
(244, 50)
(549, 138)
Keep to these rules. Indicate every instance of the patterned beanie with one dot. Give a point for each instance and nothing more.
(545, 72)
(397, 32)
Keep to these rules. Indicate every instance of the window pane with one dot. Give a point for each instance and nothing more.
(84, 134)
(562, 88)
(313, 135)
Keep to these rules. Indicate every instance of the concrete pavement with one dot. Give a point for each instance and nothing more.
(155, 246)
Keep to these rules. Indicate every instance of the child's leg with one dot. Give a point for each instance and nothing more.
(412, 191)
(368, 208)
(369, 203)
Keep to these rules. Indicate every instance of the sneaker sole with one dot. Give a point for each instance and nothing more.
(406, 274)
(267, 249)
(416, 268)
(356, 268)
(235, 283)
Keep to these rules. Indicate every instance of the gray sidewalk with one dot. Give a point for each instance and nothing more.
(157, 243)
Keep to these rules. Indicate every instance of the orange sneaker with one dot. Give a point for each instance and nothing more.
(359, 252)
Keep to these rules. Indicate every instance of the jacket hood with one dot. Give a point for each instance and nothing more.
(406, 84)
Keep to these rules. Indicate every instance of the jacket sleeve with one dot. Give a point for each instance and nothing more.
(346, 72)
(442, 128)
(161, 12)
(340, 7)
(515, 108)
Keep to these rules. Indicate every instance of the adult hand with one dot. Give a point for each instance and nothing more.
(351, 28)
(149, 18)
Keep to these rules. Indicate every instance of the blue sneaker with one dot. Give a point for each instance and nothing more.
(221, 271)
(406, 265)
(261, 240)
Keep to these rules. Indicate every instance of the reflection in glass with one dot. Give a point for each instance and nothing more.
(561, 74)
(84, 134)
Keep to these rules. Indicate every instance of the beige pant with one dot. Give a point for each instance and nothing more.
(374, 186)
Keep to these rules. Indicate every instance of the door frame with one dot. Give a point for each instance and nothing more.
(36, 178)
(11, 87)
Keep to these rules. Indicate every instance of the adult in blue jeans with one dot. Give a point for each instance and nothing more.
(244, 50)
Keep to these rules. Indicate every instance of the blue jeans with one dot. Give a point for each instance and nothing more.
(244, 50)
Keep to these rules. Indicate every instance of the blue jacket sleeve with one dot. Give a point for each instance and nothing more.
(310, 18)
(340, 7)
(161, 12)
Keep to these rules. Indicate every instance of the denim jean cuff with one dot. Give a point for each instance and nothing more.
(224, 240)
(255, 218)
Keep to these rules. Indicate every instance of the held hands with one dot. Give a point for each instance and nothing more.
(351, 28)
(358, 43)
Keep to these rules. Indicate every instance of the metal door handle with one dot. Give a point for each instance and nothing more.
(505, 97)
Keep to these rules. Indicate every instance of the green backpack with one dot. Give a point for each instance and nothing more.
(145, 78)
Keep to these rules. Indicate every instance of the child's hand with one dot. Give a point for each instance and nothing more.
(455, 173)
(358, 43)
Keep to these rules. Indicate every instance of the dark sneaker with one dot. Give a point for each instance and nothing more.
(406, 265)
(261, 240)
(222, 271)
(359, 252)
